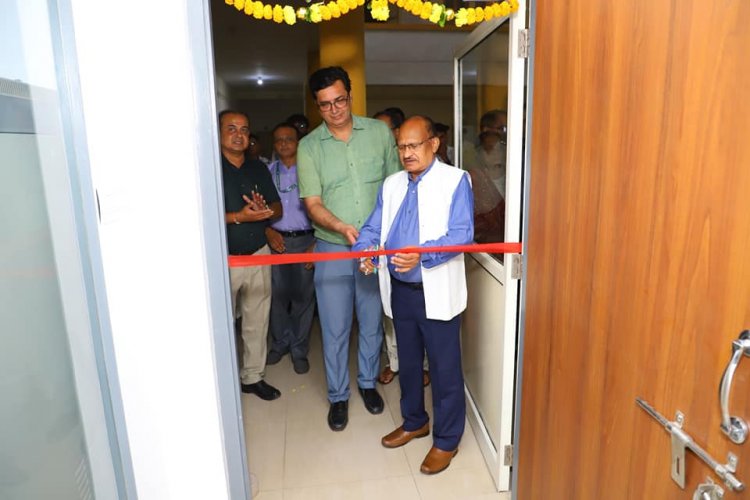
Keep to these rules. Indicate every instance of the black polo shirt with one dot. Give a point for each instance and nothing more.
(248, 237)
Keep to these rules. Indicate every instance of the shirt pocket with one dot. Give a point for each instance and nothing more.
(372, 169)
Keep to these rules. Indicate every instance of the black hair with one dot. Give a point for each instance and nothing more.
(490, 117)
(441, 128)
(396, 119)
(232, 112)
(396, 111)
(297, 117)
(286, 125)
(325, 77)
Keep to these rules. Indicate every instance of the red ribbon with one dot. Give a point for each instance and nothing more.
(297, 258)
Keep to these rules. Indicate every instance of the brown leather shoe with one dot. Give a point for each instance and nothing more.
(387, 375)
(425, 378)
(437, 460)
(400, 437)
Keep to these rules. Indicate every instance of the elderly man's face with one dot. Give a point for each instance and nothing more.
(235, 134)
(416, 148)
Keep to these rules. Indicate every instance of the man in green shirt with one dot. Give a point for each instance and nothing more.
(341, 166)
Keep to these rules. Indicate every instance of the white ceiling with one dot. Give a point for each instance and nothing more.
(247, 48)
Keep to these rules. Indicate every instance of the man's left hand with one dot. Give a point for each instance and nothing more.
(405, 262)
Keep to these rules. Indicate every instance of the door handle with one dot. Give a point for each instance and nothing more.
(734, 427)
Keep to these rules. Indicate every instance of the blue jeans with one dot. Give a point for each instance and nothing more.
(341, 289)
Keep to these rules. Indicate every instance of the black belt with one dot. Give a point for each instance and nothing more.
(294, 234)
(409, 284)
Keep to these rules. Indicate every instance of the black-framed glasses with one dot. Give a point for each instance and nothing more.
(338, 103)
(412, 146)
(281, 140)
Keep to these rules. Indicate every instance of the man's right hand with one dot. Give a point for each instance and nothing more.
(275, 240)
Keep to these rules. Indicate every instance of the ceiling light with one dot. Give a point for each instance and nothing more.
(260, 80)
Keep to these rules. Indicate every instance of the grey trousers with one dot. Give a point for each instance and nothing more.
(292, 302)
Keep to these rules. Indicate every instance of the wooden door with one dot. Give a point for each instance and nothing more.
(638, 275)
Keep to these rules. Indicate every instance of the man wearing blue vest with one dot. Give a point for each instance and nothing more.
(427, 204)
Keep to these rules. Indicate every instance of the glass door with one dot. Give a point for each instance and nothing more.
(57, 437)
(489, 94)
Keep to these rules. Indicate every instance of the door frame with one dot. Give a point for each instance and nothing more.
(517, 152)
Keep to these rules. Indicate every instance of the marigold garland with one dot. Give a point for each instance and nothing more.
(434, 12)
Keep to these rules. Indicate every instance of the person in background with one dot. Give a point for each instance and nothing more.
(444, 152)
(341, 165)
(292, 290)
(392, 117)
(427, 204)
(300, 122)
(250, 202)
(255, 150)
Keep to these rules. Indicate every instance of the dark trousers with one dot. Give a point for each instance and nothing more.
(292, 302)
(441, 339)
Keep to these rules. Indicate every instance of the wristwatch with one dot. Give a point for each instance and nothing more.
(234, 217)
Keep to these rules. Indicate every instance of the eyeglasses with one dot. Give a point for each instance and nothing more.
(339, 103)
(413, 146)
(282, 140)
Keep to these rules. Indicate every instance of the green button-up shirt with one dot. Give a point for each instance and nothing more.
(346, 175)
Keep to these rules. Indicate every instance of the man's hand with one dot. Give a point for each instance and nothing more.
(310, 249)
(255, 210)
(349, 232)
(405, 262)
(366, 266)
(275, 240)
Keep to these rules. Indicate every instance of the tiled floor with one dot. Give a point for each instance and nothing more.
(294, 455)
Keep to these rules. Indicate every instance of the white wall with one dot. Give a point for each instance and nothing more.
(139, 105)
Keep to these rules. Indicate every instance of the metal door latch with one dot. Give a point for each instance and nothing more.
(682, 441)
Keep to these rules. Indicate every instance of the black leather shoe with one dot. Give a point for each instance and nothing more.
(338, 415)
(301, 365)
(273, 357)
(373, 401)
(262, 390)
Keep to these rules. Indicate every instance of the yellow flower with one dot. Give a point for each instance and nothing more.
(267, 12)
(379, 10)
(450, 14)
(258, 10)
(437, 10)
(239, 4)
(278, 14)
(360, 3)
(471, 17)
(229, 2)
(249, 5)
(504, 9)
(325, 13)
(461, 17)
(289, 16)
(315, 15)
(416, 7)
(301, 13)
(393, 1)
(352, 4)
(426, 10)
(408, 4)
(343, 6)
(334, 8)
(513, 5)
(479, 13)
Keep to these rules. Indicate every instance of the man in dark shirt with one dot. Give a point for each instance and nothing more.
(250, 202)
